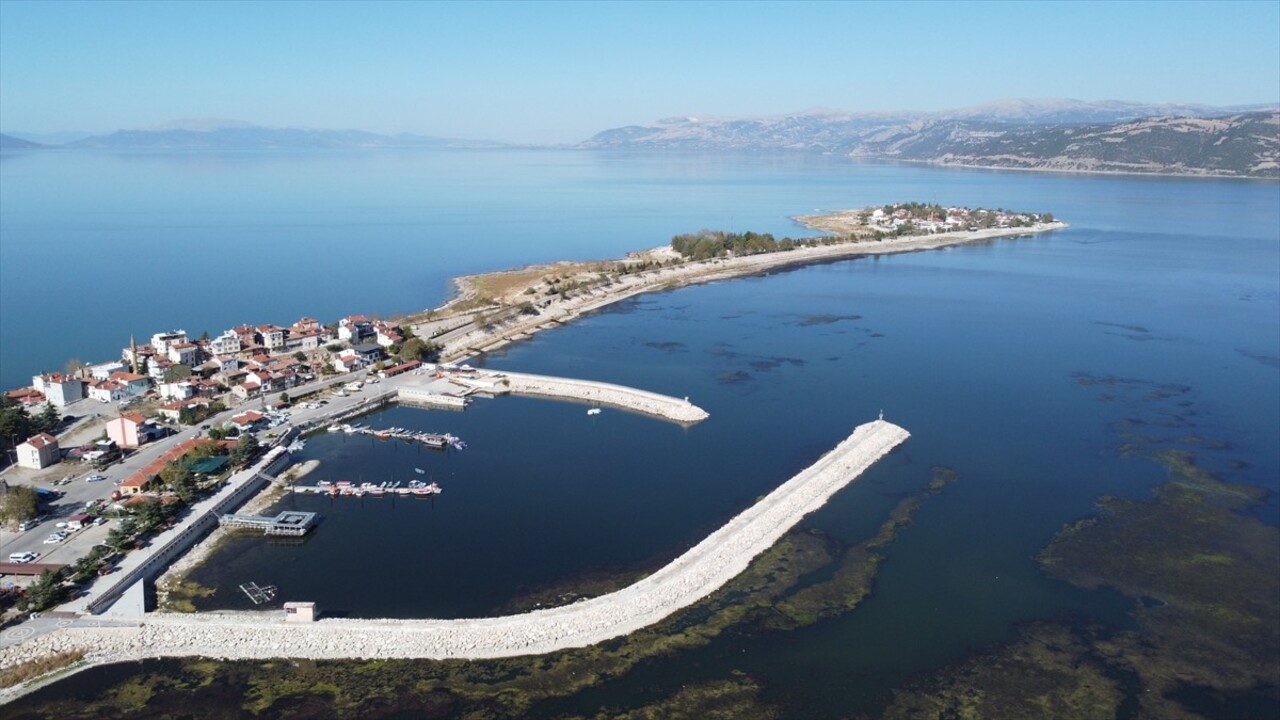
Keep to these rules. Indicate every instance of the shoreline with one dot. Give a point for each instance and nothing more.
(684, 581)
(472, 333)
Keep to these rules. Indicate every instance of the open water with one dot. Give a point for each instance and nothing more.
(1011, 362)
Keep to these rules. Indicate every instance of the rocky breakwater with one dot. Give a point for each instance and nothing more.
(649, 403)
(689, 578)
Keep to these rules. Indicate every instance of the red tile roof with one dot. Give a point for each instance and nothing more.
(42, 440)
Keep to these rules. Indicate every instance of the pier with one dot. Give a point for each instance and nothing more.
(287, 524)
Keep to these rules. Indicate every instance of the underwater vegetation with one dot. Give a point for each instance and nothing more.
(1204, 578)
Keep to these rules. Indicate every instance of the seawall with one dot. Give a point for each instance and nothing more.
(692, 576)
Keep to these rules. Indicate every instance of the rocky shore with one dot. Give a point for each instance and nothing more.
(690, 577)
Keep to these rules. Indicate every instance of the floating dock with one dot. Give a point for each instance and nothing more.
(289, 523)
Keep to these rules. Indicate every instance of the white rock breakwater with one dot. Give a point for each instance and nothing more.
(606, 394)
(692, 576)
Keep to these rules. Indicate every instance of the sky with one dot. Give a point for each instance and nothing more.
(533, 72)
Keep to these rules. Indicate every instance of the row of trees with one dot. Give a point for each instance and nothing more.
(719, 243)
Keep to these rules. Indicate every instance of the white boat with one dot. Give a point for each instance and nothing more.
(593, 411)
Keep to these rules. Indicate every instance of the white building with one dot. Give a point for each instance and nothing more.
(160, 342)
(38, 452)
(59, 389)
(228, 343)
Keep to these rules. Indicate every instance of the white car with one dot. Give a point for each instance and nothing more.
(52, 540)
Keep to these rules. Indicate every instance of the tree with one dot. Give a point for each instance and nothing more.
(18, 503)
(300, 356)
(15, 422)
(413, 349)
(46, 591)
(284, 398)
(74, 366)
(176, 372)
(244, 451)
(48, 419)
(1046, 218)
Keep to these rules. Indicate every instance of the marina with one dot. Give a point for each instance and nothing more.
(436, 441)
(346, 488)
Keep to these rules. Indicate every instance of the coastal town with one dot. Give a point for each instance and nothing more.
(129, 453)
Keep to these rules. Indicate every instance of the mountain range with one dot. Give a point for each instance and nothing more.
(238, 135)
(1056, 135)
(1061, 135)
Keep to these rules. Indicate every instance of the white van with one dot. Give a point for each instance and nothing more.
(24, 557)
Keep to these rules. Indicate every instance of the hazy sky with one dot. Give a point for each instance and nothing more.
(559, 72)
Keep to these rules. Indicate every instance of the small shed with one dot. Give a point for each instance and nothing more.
(79, 520)
(300, 612)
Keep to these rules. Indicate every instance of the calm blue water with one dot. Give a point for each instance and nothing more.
(1169, 288)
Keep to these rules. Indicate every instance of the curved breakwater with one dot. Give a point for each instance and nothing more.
(649, 403)
(689, 578)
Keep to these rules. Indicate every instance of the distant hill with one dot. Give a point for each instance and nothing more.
(1245, 145)
(233, 135)
(1063, 135)
(9, 142)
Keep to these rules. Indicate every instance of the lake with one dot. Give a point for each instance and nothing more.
(1023, 365)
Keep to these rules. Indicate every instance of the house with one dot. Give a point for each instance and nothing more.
(26, 397)
(128, 430)
(354, 327)
(187, 353)
(228, 343)
(176, 391)
(102, 371)
(134, 384)
(39, 451)
(250, 388)
(160, 342)
(347, 363)
(306, 324)
(368, 353)
(271, 336)
(60, 389)
(173, 411)
(305, 340)
(246, 421)
(107, 391)
(387, 335)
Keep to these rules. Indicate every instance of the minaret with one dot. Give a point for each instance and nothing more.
(133, 354)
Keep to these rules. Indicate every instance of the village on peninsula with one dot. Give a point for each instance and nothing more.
(128, 465)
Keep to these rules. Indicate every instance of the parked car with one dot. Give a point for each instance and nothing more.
(95, 478)
(52, 540)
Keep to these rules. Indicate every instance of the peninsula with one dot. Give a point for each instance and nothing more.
(494, 309)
